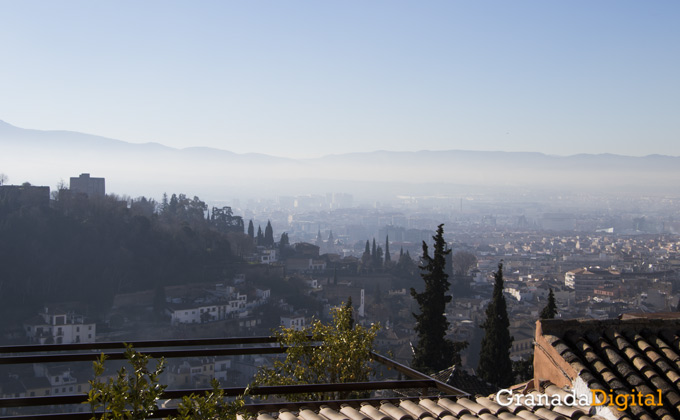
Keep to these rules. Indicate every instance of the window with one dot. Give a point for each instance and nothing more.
(77, 329)
(89, 336)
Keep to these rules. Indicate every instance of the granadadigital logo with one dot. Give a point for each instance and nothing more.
(598, 397)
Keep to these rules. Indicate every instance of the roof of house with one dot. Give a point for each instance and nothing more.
(447, 408)
(630, 355)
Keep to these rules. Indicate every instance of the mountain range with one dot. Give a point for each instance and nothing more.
(149, 169)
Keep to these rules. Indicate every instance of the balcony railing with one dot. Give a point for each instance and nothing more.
(67, 353)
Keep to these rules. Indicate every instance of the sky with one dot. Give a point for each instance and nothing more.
(304, 79)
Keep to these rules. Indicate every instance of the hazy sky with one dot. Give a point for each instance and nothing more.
(308, 78)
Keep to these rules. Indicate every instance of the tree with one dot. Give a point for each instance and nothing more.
(130, 395)
(434, 352)
(366, 258)
(388, 258)
(251, 229)
(268, 235)
(259, 240)
(550, 310)
(223, 220)
(211, 405)
(133, 395)
(494, 361)
(378, 260)
(343, 355)
(463, 261)
(350, 309)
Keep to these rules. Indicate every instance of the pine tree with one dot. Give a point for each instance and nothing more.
(550, 310)
(433, 351)
(388, 258)
(495, 366)
(251, 229)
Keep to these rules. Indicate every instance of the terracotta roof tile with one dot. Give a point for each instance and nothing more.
(636, 355)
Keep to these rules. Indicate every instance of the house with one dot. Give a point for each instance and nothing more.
(585, 281)
(296, 322)
(57, 326)
(202, 312)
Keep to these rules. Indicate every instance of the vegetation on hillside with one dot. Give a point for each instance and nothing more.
(88, 250)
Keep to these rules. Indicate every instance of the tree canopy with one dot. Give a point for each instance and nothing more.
(89, 249)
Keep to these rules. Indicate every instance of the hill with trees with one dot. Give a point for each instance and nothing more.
(81, 249)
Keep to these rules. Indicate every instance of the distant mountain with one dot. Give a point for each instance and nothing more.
(45, 157)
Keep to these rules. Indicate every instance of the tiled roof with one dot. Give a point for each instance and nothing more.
(622, 356)
(452, 408)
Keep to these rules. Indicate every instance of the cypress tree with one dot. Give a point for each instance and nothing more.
(550, 310)
(495, 366)
(268, 234)
(260, 237)
(433, 351)
(388, 258)
(366, 259)
(251, 229)
(378, 260)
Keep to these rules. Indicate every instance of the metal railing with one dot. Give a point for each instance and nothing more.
(66, 353)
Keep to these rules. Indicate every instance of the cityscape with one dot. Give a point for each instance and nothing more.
(340, 211)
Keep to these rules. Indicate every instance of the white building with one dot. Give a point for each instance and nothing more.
(268, 256)
(56, 326)
(296, 322)
(198, 313)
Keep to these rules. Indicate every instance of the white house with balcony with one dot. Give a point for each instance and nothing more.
(56, 326)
